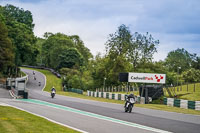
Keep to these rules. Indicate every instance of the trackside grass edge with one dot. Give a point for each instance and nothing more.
(16, 121)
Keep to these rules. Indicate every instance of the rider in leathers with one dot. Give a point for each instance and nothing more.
(128, 97)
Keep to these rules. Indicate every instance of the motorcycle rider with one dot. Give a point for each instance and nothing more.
(128, 97)
(53, 89)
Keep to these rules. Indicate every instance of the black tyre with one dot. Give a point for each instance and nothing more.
(126, 109)
(52, 95)
(130, 108)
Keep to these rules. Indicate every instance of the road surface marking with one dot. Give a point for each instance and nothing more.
(94, 115)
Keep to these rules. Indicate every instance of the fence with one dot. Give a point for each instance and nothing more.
(107, 95)
(113, 96)
(186, 104)
(188, 87)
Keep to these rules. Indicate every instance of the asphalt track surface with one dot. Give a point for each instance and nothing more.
(152, 120)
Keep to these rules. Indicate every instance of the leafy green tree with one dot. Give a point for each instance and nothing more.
(196, 63)
(6, 49)
(98, 70)
(52, 47)
(69, 58)
(117, 59)
(119, 42)
(20, 30)
(124, 49)
(146, 45)
(40, 57)
(191, 75)
(87, 81)
(84, 51)
(114, 67)
(135, 48)
(179, 58)
(19, 15)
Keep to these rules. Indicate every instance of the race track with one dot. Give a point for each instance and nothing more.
(98, 117)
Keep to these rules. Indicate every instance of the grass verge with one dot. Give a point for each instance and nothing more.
(16, 121)
(51, 79)
(187, 95)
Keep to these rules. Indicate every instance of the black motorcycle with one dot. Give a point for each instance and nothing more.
(53, 93)
(129, 104)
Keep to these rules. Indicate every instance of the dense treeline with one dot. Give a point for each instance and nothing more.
(18, 26)
(125, 52)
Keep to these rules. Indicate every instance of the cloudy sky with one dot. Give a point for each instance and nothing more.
(176, 23)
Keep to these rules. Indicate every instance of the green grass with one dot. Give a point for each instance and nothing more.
(16, 121)
(84, 96)
(51, 80)
(184, 93)
(22, 74)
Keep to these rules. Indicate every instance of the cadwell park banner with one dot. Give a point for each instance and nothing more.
(147, 78)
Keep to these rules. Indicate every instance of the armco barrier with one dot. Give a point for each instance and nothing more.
(191, 104)
(170, 101)
(182, 103)
(108, 95)
(197, 105)
(165, 101)
(177, 102)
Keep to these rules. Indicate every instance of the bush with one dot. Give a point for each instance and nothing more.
(158, 101)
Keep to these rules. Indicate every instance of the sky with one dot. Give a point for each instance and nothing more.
(175, 23)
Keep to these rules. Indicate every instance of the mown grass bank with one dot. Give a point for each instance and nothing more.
(52, 79)
(16, 121)
(188, 92)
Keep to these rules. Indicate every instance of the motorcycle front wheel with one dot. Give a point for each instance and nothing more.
(130, 108)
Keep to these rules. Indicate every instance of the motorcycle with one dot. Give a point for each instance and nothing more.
(129, 104)
(53, 94)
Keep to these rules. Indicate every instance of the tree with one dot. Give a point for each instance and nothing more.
(146, 45)
(40, 57)
(191, 75)
(20, 31)
(179, 58)
(52, 47)
(117, 59)
(84, 51)
(69, 58)
(135, 48)
(19, 15)
(6, 49)
(119, 42)
(196, 63)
